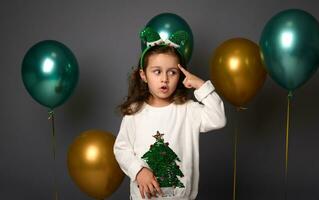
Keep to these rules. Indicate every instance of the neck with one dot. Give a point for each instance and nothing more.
(159, 102)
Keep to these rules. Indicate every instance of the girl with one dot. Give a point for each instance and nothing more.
(157, 102)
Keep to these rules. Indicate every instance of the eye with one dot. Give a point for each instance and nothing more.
(157, 71)
(172, 72)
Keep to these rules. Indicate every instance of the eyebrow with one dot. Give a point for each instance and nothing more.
(170, 68)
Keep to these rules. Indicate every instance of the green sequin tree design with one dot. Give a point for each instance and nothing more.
(162, 160)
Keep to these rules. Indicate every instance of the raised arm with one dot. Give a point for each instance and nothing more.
(211, 112)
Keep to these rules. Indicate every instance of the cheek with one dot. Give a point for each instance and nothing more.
(178, 76)
(175, 80)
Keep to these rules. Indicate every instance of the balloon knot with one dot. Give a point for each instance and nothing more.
(290, 95)
(51, 114)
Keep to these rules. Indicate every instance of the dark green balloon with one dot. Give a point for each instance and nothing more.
(50, 73)
(166, 24)
(290, 47)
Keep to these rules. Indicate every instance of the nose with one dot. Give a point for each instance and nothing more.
(164, 78)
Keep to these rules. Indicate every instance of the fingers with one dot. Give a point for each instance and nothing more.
(148, 194)
(142, 191)
(152, 191)
(188, 77)
(186, 83)
(157, 187)
(185, 72)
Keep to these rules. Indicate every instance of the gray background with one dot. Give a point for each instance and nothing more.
(104, 37)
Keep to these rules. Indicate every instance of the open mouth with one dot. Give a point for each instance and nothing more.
(164, 89)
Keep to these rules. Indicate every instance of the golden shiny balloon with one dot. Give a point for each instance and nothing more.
(92, 165)
(237, 71)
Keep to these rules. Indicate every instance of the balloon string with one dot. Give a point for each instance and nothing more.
(51, 117)
(287, 143)
(235, 155)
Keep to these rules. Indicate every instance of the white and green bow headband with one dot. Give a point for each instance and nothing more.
(151, 38)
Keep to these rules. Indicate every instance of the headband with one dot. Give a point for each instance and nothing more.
(151, 38)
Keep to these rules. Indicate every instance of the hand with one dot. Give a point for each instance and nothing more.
(147, 183)
(190, 81)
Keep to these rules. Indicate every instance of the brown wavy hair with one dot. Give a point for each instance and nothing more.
(138, 91)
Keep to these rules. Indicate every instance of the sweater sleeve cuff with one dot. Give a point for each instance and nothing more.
(204, 90)
(134, 169)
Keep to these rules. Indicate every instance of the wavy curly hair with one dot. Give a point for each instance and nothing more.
(138, 91)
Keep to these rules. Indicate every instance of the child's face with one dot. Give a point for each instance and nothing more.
(162, 75)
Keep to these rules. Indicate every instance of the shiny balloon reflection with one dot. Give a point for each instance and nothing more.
(47, 65)
(287, 38)
(233, 63)
(163, 35)
(92, 153)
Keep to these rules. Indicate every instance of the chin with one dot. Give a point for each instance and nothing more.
(164, 96)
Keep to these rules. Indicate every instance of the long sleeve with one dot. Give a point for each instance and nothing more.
(123, 149)
(211, 112)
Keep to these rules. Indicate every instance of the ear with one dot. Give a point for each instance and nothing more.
(143, 76)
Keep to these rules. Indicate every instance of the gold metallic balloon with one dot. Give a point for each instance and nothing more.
(92, 164)
(237, 71)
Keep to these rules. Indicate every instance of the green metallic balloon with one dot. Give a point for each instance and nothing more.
(166, 24)
(50, 73)
(290, 47)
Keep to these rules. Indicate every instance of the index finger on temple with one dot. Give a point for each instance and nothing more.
(185, 72)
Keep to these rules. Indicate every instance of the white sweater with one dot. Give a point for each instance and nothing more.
(181, 125)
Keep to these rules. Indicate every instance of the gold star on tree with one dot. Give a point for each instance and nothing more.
(158, 136)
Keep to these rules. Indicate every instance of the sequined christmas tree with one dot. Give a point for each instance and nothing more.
(162, 160)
